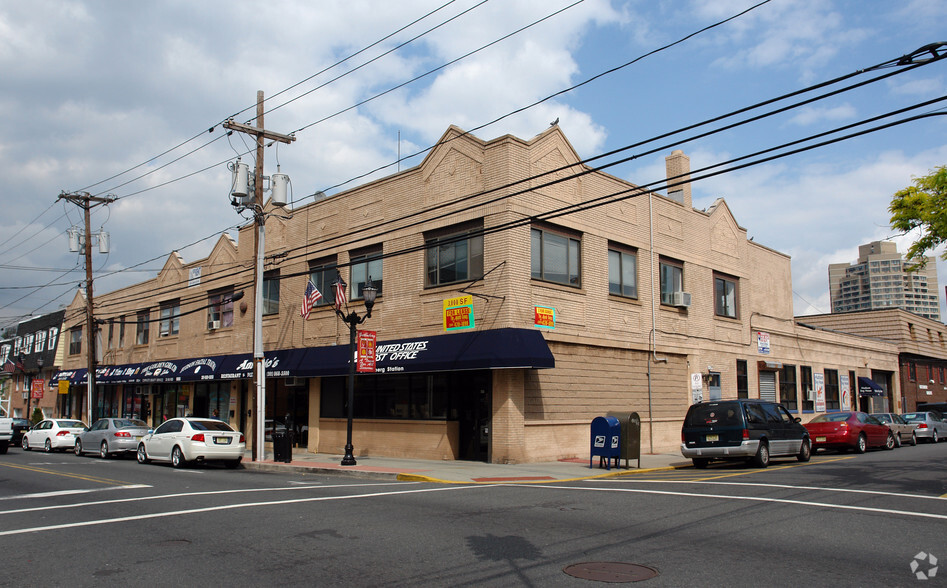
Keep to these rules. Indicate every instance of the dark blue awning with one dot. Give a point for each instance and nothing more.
(868, 387)
(492, 349)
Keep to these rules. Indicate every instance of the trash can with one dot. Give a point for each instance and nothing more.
(630, 435)
(605, 440)
(282, 447)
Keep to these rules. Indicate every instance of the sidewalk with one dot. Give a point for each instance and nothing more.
(462, 472)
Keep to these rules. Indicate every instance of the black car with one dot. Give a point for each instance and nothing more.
(743, 429)
(19, 427)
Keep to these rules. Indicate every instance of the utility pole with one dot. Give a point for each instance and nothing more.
(259, 219)
(86, 203)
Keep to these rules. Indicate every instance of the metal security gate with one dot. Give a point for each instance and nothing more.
(768, 386)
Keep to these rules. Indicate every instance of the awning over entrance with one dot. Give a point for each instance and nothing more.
(492, 349)
(868, 387)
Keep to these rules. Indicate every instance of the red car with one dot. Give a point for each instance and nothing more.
(849, 430)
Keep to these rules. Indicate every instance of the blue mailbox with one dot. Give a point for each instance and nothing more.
(606, 433)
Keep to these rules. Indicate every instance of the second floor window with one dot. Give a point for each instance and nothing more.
(142, 328)
(554, 257)
(75, 341)
(323, 274)
(622, 273)
(672, 280)
(454, 256)
(121, 332)
(170, 318)
(725, 296)
(271, 293)
(365, 265)
(220, 309)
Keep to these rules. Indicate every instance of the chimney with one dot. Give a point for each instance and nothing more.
(678, 168)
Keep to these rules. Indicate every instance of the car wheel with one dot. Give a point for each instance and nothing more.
(233, 463)
(48, 446)
(913, 439)
(177, 458)
(78, 448)
(700, 464)
(897, 440)
(25, 444)
(761, 459)
(104, 450)
(861, 446)
(889, 442)
(934, 438)
(142, 455)
(805, 452)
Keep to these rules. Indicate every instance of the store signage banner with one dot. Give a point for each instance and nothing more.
(37, 388)
(545, 317)
(366, 341)
(762, 342)
(818, 380)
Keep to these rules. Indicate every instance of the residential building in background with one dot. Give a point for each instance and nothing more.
(882, 279)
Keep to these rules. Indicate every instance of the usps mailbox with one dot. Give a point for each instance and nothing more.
(630, 435)
(605, 440)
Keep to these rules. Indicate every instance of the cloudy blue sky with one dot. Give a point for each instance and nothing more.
(92, 89)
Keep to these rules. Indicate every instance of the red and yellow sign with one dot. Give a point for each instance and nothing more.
(545, 317)
(458, 313)
(37, 388)
(366, 341)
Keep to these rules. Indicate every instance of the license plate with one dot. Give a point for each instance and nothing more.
(712, 438)
(222, 440)
(820, 439)
(138, 438)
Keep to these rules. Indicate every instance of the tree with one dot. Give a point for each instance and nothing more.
(922, 206)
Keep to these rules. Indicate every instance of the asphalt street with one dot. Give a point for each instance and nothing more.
(840, 520)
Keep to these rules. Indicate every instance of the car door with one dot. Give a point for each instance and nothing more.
(157, 446)
(42, 434)
(93, 437)
(778, 440)
(876, 431)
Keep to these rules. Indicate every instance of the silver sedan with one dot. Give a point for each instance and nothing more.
(903, 430)
(930, 425)
(111, 436)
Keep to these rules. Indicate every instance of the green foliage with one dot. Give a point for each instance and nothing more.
(37, 415)
(922, 206)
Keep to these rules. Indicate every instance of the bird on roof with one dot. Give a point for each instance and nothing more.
(555, 122)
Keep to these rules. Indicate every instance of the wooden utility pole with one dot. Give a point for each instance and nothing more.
(87, 202)
(259, 219)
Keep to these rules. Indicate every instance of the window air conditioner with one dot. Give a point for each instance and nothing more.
(810, 394)
(213, 325)
(682, 299)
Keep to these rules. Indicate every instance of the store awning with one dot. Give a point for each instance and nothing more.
(868, 387)
(491, 349)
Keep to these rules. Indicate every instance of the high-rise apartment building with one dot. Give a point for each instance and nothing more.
(882, 279)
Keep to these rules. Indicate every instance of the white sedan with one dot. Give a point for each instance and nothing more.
(184, 440)
(52, 434)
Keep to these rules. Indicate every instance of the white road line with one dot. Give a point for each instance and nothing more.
(185, 495)
(227, 507)
(747, 498)
(786, 486)
(72, 492)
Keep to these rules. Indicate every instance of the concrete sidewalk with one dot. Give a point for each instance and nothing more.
(462, 472)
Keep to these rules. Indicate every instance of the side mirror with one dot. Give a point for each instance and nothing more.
(85, 428)
(797, 420)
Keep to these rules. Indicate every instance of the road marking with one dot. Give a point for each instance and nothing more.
(791, 487)
(184, 495)
(228, 507)
(72, 492)
(753, 499)
(65, 475)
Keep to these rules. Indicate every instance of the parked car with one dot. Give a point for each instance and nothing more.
(183, 440)
(52, 434)
(849, 430)
(744, 429)
(20, 426)
(930, 425)
(111, 436)
(903, 430)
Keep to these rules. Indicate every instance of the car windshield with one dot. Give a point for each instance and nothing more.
(122, 423)
(71, 424)
(715, 413)
(832, 418)
(210, 426)
(915, 416)
(885, 418)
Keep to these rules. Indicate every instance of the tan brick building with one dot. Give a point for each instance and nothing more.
(654, 304)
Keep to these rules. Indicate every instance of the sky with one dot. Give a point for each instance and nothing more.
(126, 99)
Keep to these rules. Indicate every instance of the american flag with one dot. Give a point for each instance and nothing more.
(310, 297)
(339, 293)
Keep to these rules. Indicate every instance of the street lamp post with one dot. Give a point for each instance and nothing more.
(352, 320)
